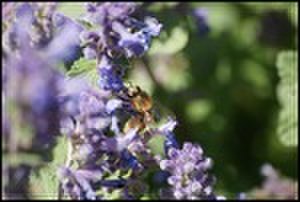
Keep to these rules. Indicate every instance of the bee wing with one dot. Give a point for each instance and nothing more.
(161, 113)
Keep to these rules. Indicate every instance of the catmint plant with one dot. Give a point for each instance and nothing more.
(104, 124)
(46, 29)
(31, 115)
(109, 127)
(189, 172)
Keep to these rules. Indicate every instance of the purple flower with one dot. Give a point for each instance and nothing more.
(112, 105)
(134, 44)
(110, 75)
(120, 141)
(35, 94)
(170, 142)
(167, 131)
(90, 103)
(113, 40)
(120, 9)
(128, 160)
(200, 16)
(56, 35)
(188, 168)
(84, 112)
(103, 146)
(115, 21)
(31, 109)
(89, 53)
(25, 10)
(99, 12)
(153, 27)
(137, 43)
(89, 39)
(78, 183)
(65, 44)
(94, 119)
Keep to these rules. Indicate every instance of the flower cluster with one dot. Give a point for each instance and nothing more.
(115, 34)
(46, 29)
(33, 42)
(31, 115)
(188, 170)
(38, 15)
(35, 94)
(94, 121)
(110, 127)
(103, 124)
(119, 33)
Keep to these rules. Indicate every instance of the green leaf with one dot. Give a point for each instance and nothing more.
(114, 176)
(72, 9)
(81, 66)
(44, 182)
(85, 69)
(118, 174)
(287, 92)
(156, 145)
(60, 151)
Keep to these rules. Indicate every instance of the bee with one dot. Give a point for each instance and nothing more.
(142, 104)
(147, 113)
(140, 100)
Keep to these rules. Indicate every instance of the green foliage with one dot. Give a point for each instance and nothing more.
(74, 9)
(198, 110)
(225, 94)
(222, 87)
(156, 145)
(287, 91)
(81, 66)
(44, 182)
(84, 68)
(175, 41)
(117, 174)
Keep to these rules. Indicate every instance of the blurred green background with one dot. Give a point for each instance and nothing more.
(222, 86)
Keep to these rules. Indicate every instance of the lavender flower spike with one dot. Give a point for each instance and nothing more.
(189, 177)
